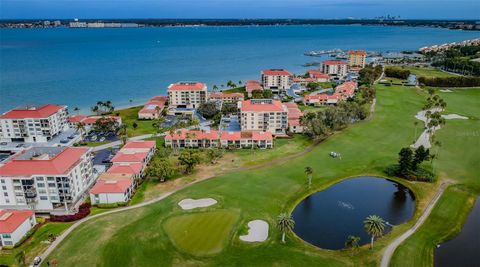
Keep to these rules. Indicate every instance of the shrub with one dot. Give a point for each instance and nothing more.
(396, 72)
(111, 205)
(457, 81)
(83, 212)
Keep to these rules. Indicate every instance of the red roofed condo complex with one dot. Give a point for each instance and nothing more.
(89, 121)
(111, 191)
(294, 116)
(226, 97)
(252, 85)
(346, 89)
(318, 76)
(67, 172)
(14, 225)
(187, 94)
(335, 68)
(263, 115)
(277, 80)
(33, 123)
(342, 92)
(204, 139)
(153, 108)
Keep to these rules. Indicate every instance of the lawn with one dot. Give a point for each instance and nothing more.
(428, 72)
(201, 233)
(129, 116)
(137, 238)
(34, 245)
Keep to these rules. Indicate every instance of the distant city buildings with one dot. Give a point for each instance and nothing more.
(33, 123)
(276, 80)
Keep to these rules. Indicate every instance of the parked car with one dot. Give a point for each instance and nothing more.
(64, 141)
(20, 145)
(3, 143)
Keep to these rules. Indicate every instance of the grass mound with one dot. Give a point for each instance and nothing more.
(201, 234)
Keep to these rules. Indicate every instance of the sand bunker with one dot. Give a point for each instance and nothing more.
(454, 116)
(188, 203)
(446, 91)
(257, 232)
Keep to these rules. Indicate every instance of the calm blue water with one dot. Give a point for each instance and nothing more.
(77, 67)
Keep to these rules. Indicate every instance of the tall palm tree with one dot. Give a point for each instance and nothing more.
(285, 223)
(415, 134)
(309, 171)
(352, 242)
(374, 225)
(76, 109)
(80, 127)
(123, 133)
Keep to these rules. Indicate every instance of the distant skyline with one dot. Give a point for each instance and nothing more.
(238, 9)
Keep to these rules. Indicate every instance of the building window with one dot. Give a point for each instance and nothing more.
(6, 236)
(43, 198)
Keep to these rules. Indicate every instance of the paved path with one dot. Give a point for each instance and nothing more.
(387, 254)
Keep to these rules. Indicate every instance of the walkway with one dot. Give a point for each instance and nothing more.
(387, 255)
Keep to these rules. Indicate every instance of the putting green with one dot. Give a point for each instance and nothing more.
(201, 234)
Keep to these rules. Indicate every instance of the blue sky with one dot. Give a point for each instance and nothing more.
(427, 9)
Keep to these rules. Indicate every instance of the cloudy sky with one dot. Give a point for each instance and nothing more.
(427, 9)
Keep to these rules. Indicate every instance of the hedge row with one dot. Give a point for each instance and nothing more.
(111, 205)
(457, 81)
(83, 212)
(395, 72)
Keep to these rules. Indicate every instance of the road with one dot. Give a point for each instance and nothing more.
(387, 254)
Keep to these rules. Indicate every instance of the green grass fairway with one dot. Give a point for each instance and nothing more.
(203, 233)
(445, 221)
(138, 237)
(129, 116)
(428, 72)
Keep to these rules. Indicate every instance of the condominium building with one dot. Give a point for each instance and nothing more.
(226, 97)
(14, 225)
(46, 178)
(187, 94)
(335, 68)
(263, 115)
(206, 139)
(153, 108)
(277, 80)
(294, 116)
(318, 76)
(33, 124)
(357, 58)
(89, 121)
(321, 99)
(111, 189)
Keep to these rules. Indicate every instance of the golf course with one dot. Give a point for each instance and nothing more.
(164, 234)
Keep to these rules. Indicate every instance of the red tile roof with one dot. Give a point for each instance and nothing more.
(334, 62)
(347, 88)
(323, 97)
(318, 74)
(293, 111)
(301, 79)
(263, 106)
(34, 113)
(262, 136)
(60, 164)
(76, 118)
(357, 52)
(132, 168)
(159, 98)
(252, 85)
(10, 220)
(111, 186)
(129, 157)
(187, 86)
(294, 122)
(140, 144)
(275, 72)
(197, 135)
(222, 95)
(231, 136)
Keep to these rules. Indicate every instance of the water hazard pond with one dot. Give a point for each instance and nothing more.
(326, 218)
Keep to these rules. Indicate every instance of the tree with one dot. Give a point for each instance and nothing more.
(20, 258)
(189, 158)
(208, 110)
(214, 155)
(421, 154)
(374, 226)
(240, 82)
(123, 133)
(257, 94)
(405, 161)
(134, 125)
(95, 110)
(215, 88)
(309, 171)
(285, 223)
(130, 101)
(352, 242)
(76, 109)
(80, 127)
(267, 94)
(231, 84)
(161, 169)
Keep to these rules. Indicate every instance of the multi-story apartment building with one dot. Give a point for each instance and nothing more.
(46, 178)
(357, 58)
(263, 115)
(277, 80)
(226, 97)
(14, 225)
(187, 94)
(33, 124)
(334, 68)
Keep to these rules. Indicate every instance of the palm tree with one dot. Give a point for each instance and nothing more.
(438, 145)
(123, 133)
(80, 127)
(130, 101)
(374, 225)
(415, 134)
(20, 257)
(76, 109)
(240, 82)
(309, 171)
(285, 223)
(215, 88)
(352, 242)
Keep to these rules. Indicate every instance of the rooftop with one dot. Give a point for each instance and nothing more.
(357, 52)
(139, 144)
(111, 186)
(334, 62)
(131, 168)
(260, 105)
(32, 112)
(10, 220)
(276, 72)
(252, 85)
(43, 160)
(129, 157)
(187, 86)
